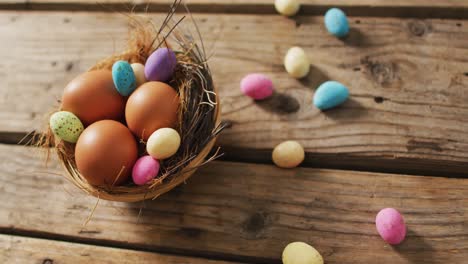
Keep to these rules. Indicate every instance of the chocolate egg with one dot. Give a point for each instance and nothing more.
(92, 96)
(105, 153)
(152, 106)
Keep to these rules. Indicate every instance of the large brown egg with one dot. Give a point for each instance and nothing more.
(92, 96)
(152, 106)
(105, 153)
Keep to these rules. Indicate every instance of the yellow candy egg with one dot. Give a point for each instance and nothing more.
(301, 253)
(296, 62)
(288, 154)
(66, 126)
(163, 143)
(287, 7)
(139, 70)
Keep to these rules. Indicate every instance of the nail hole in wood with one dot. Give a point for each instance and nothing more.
(378, 99)
(358, 21)
(298, 23)
(466, 74)
(356, 68)
(69, 66)
(66, 20)
(459, 24)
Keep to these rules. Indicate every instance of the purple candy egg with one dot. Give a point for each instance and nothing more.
(145, 169)
(160, 65)
(256, 86)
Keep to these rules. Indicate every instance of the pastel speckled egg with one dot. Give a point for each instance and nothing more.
(66, 126)
(391, 226)
(163, 143)
(288, 154)
(301, 253)
(296, 62)
(336, 22)
(139, 71)
(160, 65)
(145, 169)
(287, 7)
(123, 77)
(330, 94)
(256, 86)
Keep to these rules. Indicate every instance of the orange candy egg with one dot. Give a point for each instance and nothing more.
(92, 96)
(152, 106)
(105, 153)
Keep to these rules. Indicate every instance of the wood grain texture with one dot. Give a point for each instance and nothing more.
(16, 249)
(398, 8)
(407, 77)
(245, 212)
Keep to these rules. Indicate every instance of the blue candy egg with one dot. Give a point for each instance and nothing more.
(336, 22)
(123, 77)
(330, 94)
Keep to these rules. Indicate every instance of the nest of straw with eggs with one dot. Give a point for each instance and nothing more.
(198, 116)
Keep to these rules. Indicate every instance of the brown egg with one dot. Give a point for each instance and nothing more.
(105, 153)
(152, 106)
(92, 96)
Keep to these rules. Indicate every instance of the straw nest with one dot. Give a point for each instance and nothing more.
(199, 112)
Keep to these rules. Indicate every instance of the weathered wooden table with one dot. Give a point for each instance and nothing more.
(401, 141)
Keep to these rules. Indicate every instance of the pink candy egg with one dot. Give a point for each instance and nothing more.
(391, 226)
(256, 86)
(145, 169)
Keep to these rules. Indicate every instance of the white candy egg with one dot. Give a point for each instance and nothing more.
(296, 62)
(163, 143)
(287, 7)
(139, 70)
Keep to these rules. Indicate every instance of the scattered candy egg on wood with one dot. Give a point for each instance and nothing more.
(139, 71)
(92, 97)
(301, 253)
(256, 86)
(287, 7)
(391, 226)
(160, 65)
(296, 62)
(105, 153)
(163, 143)
(330, 94)
(145, 169)
(66, 126)
(124, 78)
(288, 154)
(336, 22)
(152, 106)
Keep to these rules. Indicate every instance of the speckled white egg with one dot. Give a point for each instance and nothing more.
(301, 253)
(288, 154)
(163, 143)
(66, 126)
(287, 7)
(139, 70)
(296, 62)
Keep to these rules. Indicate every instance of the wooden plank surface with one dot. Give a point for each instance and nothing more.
(408, 82)
(245, 212)
(16, 249)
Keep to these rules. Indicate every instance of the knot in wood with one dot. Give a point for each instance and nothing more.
(383, 73)
(47, 261)
(418, 28)
(255, 223)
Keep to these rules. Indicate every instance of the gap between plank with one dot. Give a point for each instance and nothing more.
(138, 247)
(244, 8)
(392, 165)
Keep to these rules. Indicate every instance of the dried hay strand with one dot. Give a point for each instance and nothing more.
(199, 111)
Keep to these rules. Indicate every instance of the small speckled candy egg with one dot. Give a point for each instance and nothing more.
(336, 22)
(391, 226)
(296, 62)
(163, 143)
(160, 65)
(66, 126)
(139, 70)
(123, 77)
(301, 253)
(256, 86)
(145, 169)
(288, 154)
(330, 94)
(287, 7)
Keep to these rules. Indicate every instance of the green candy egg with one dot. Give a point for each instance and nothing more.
(66, 126)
